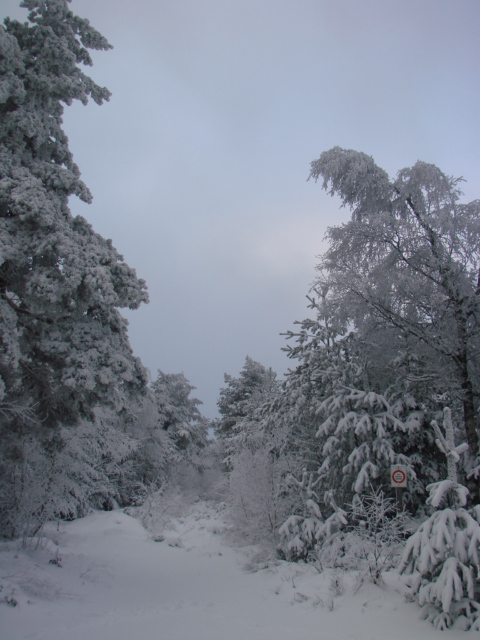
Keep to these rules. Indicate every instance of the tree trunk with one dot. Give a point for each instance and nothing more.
(468, 404)
(471, 431)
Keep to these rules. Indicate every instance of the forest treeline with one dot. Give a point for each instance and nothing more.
(390, 353)
(394, 339)
(384, 371)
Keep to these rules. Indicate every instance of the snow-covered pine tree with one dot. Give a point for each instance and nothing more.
(178, 413)
(240, 405)
(171, 457)
(442, 556)
(152, 460)
(316, 353)
(64, 344)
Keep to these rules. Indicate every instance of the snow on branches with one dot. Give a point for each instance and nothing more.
(442, 556)
(359, 436)
(300, 535)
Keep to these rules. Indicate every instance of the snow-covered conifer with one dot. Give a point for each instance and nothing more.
(301, 535)
(178, 413)
(345, 421)
(64, 343)
(359, 437)
(240, 406)
(442, 556)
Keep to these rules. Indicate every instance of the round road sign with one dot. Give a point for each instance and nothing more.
(398, 475)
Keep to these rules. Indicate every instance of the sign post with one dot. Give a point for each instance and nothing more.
(398, 479)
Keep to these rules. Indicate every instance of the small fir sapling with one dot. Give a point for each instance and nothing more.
(442, 556)
(368, 539)
(302, 534)
(336, 521)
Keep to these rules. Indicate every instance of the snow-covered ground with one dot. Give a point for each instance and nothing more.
(105, 578)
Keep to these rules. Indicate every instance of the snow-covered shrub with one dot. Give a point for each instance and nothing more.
(92, 464)
(197, 477)
(256, 496)
(62, 479)
(337, 585)
(156, 503)
(158, 507)
(367, 539)
(25, 491)
(374, 541)
(442, 556)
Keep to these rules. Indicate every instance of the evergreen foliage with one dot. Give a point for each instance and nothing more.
(347, 421)
(442, 556)
(254, 463)
(303, 535)
(64, 347)
(240, 407)
(178, 414)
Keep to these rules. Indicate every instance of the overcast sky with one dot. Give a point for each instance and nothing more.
(198, 164)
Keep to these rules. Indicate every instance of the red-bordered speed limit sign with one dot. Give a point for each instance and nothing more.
(398, 475)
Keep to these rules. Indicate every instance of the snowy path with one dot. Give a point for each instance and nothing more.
(116, 583)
